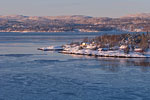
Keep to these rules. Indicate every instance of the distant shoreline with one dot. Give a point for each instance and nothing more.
(63, 31)
(56, 31)
(77, 23)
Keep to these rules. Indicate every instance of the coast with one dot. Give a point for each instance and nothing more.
(109, 53)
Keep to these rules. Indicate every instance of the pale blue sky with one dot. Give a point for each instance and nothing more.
(101, 8)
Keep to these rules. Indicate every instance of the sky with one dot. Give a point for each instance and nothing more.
(95, 8)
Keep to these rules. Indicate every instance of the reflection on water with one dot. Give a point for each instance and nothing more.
(113, 64)
(145, 62)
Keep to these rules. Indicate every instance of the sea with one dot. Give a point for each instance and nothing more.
(30, 74)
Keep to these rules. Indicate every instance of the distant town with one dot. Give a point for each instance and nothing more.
(75, 23)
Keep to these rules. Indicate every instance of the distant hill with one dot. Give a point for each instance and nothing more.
(74, 23)
(139, 15)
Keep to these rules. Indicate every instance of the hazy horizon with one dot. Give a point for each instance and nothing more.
(94, 8)
(128, 15)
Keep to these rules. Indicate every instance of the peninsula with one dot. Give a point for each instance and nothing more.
(121, 45)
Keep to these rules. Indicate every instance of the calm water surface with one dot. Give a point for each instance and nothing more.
(29, 74)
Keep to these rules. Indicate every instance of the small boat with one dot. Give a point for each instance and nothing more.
(51, 48)
(138, 50)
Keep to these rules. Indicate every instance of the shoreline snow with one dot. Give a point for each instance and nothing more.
(96, 53)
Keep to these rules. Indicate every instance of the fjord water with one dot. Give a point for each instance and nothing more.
(29, 74)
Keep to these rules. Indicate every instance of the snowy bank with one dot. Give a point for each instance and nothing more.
(114, 53)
